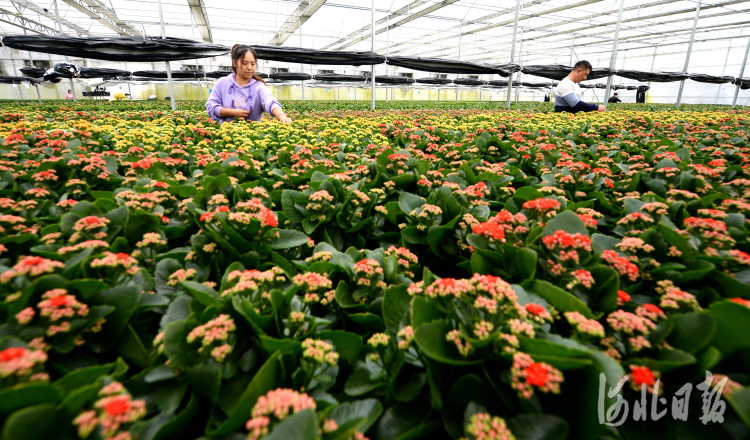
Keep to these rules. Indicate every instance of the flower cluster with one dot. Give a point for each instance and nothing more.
(113, 413)
(274, 407)
(319, 351)
(529, 376)
(214, 336)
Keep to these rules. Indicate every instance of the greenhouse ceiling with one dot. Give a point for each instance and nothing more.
(472, 30)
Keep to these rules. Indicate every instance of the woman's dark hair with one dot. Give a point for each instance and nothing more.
(68, 90)
(238, 52)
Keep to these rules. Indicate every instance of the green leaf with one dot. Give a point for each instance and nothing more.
(359, 383)
(692, 332)
(430, 339)
(348, 345)
(125, 300)
(559, 356)
(268, 377)
(399, 420)
(165, 426)
(538, 427)
(467, 389)
(205, 379)
(202, 293)
(567, 221)
(526, 261)
(27, 394)
(408, 202)
(732, 326)
(288, 238)
(740, 401)
(395, 309)
(32, 423)
(370, 409)
(423, 311)
(560, 299)
(83, 376)
(300, 426)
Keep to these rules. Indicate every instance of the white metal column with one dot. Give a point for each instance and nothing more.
(372, 46)
(572, 45)
(513, 53)
(690, 49)
(460, 34)
(613, 58)
(37, 93)
(742, 72)
(520, 63)
(169, 68)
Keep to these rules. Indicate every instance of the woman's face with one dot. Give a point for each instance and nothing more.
(245, 66)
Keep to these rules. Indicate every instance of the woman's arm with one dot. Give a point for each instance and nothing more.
(271, 105)
(215, 108)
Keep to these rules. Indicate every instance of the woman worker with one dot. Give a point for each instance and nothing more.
(243, 94)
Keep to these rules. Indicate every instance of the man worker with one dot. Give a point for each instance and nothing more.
(614, 99)
(568, 92)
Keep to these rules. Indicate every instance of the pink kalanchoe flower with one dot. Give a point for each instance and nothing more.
(629, 323)
(529, 375)
(538, 313)
(650, 311)
(319, 351)
(622, 298)
(464, 347)
(406, 336)
(20, 361)
(25, 316)
(585, 326)
(83, 245)
(621, 264)
(367, 271)
(485, 427)
(582, 277)
(56, 304)
(312, 281)
(31, 266)
(281, 402)
(563, 240)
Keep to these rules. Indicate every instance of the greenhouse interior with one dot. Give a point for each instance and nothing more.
(361, 220)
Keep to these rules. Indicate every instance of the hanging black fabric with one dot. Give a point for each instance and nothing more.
(339, 77)
(60, 71)
(587, 86)
(640, 95)
(311, 56)
(652, 76)
(134, 49)
(290, 76)
(560, 71)
(614, 87)
(96, 72)
(163, 74)
(710, 79)
(497, 83)
(33, 72)
(16, 80)
(451, 66)
(534, 85)
(631, 88)
(385, 79)
(468, 82)
(429, 80)
(744, 83)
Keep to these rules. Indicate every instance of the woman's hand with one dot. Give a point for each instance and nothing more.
(239, 113)
(283, 118)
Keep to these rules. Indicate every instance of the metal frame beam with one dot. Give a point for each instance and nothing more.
(495, 48)
(403, 21)
(690, 49)
(198, 9)
(20, 21)
(305, 10)
(403, 11)
(39, 10)
(102, 14)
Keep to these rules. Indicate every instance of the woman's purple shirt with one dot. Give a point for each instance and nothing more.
(253, 96)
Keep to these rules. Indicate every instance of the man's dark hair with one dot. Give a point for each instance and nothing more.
(583, 64)
(615, 94)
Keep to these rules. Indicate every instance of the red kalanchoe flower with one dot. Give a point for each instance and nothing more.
(622, 297)
(643, 376)
(535, 309)
(11, 353)
(490, 230)
(536, 374)
(117, 406)
(741, 301)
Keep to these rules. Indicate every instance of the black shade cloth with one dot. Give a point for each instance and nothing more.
(534, 85)
(450, 66)
(16, 80)
(163, 74)
(429, 80)
(652, 76)
(699, 77)
(338, 77)
(97, 93)
(60, 71)
(587, 86)
(600, 86)
(560, 71)
(141, 49)
(311, 56)
(385, 79)
(33, 72)
(497, 83)
(221, 74)
(95, 72)
(468, 82)
(290, 76)
(640, 95)
(631, 88)
(744, 83)
(614, 87)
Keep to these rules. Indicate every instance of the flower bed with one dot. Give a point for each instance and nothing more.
(431, 273)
